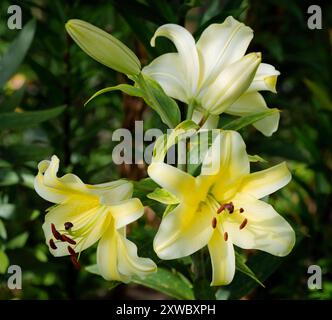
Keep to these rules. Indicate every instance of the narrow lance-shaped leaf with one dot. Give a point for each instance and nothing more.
(250, 119)
(16, 52)
(18, 120)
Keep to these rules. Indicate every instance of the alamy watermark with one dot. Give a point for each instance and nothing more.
(314, 281)
(315, 19)
(14, 277)
(14, 21)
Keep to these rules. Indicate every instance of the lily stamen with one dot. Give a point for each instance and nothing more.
(225, 236)
(241, 210)
(56, 233)
(214, 223)
(228, 206)
(64, 238)
(71, 251)
(68, 225)
(52, 244)
(243, 224)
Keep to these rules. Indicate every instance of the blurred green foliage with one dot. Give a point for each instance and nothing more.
(45, 80)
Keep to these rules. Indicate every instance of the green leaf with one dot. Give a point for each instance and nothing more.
(10, 103)
(6, 210)
(156, 98)
(170, 283)
(19, 120)
(18, 242)
(320, 94)
(20, 153)
(16, 52)
(126, 88)
(3, 232)
(4, 262)
(242, 267)
(250, 119)
(163, 196)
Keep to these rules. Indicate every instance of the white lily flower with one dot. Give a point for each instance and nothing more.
(214, 73)
(221, 207)
(85, 214)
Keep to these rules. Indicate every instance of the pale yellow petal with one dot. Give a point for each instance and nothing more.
(108, 255)
(169, 72)
(179, 183)
(251, 103)
(222, 259)
(183, 231)
(55, 189)
(230, 84)
(185, 45)
(265, 182)
(220, 45)
(265, 230)
(112, 192)
(265, 78)
(129, 263)
(126, 212)
(227, 161)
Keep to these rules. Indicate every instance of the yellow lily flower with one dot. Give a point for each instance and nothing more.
(214, 73)
(221, 207)
(85, 214)
(103, 47)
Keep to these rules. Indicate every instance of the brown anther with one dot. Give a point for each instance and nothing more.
(214, 223)
(228, 206)
(64, 238)
(56, 233)
(244, 223)
(75, 262)
(68, 225)
(71, 251)
(225, 236)
(241, 210)
(52, 244)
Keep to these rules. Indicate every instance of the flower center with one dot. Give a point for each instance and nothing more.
(75, 234)
(222, 212)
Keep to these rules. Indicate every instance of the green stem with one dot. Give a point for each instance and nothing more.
(190, 111)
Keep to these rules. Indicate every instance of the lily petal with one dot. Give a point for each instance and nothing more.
(265, 78)
(230, 84)
(108, 255)
(227, 160)
(265, 182)
(55, 189)
(129, 263)
(185, 44)
(222, 259)
(265, 230)
(126, 212)
(183, 231)
(253, 102)
(220, 45)
(172, 179)
(168, 71)
(112, 192)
